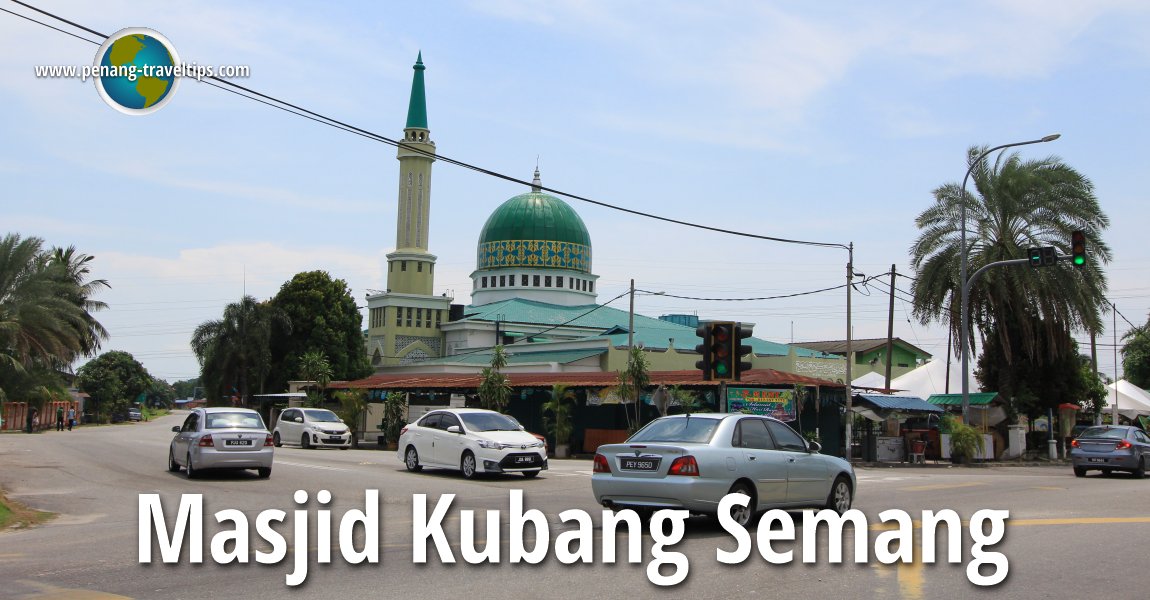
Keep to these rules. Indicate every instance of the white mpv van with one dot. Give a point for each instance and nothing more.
(311, 428)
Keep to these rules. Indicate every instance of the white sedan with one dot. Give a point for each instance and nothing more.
(221, 438)
(471, 440)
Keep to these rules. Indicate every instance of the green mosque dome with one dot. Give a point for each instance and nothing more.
(535, 230)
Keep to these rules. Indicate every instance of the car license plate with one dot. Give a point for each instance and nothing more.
(334, 440)
(1100, 460)
(639, 464)
(237, 442)
(524, 459)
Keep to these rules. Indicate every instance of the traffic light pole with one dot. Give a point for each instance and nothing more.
(966, 317)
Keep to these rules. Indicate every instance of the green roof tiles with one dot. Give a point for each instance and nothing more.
(611, 323)
(417, 107)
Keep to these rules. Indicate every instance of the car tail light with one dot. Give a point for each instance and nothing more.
(1123, 445)
(1074, 443)
(403, 431)
(268, 440)
(684, 465)
(601, 464)
(206, 441)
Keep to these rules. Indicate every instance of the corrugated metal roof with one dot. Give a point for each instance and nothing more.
(470, 381)
(899, 403)
(979, 399)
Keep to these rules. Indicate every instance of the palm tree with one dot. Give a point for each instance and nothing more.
(558, 423)
(72, 267)
(314, 366)
(233, 351)
(494, 387)
(1015, 205)
(632, 381)
(40, 323)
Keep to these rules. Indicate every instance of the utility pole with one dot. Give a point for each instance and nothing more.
(890, 330)
(1114, 331)
(631, 344)
(1094, 369)
(850, 400)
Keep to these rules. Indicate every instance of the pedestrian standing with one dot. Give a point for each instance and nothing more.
(71, 417)
(60, 417)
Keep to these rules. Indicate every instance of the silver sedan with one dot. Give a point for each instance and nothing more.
(692, 461)
(221, 438)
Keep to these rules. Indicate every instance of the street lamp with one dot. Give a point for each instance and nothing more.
(964, 309)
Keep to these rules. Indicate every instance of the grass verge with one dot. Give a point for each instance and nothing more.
(14, 515)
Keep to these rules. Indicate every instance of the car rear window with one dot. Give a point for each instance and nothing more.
(1107, 433)
(677, 429)
(234, 420)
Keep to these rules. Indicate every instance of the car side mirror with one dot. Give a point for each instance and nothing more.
(454, 429)
(814, 447)
(176, 429)
(299, 419)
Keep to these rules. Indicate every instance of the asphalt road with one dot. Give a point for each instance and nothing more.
(1066, 537)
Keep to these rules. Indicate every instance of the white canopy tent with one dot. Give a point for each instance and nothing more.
(870, 379)
(1132, 400)
(930, 379)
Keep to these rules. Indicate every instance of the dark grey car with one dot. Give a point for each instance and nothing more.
(1111, 448)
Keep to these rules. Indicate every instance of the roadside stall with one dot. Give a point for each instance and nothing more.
(893, 443)
(987, 409)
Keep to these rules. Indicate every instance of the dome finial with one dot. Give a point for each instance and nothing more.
(536, 184)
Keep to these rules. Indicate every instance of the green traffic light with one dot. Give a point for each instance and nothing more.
(1079, 260)
(721, 368)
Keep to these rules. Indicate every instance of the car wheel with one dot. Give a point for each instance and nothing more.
(192, 472)
(304, 442)
(1079, 472)
(173, 466)
(839, 500)
(411, 460)
(1140, 472)
(264, 472)
(276, 440)
(531, 474)
(743, 514)
(467, 465)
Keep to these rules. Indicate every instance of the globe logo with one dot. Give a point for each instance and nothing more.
(136, 71)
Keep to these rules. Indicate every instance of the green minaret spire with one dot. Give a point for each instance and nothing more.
(417, 109)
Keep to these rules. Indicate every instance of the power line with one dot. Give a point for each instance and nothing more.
(796, 294)
(337, 124)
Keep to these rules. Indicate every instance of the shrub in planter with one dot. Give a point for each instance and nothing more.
(965, 442)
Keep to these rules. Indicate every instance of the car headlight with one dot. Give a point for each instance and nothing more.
(490, 444)
(537, 444)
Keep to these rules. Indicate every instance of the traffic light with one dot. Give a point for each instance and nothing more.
(1042, 257)
(742, 332)
(704, 350)
(722, 350)
(1035, 256)
(1078, 248)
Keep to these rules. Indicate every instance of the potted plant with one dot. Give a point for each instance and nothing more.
(557, 418)
(965, 443)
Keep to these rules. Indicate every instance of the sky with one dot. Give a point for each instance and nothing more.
(829, 122)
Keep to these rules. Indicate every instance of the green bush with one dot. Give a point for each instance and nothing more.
(965, 442)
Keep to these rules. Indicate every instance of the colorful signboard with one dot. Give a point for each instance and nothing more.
(777, 403)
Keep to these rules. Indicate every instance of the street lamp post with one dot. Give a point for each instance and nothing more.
(964, 309)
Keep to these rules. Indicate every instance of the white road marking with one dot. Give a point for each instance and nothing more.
(305, 465)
